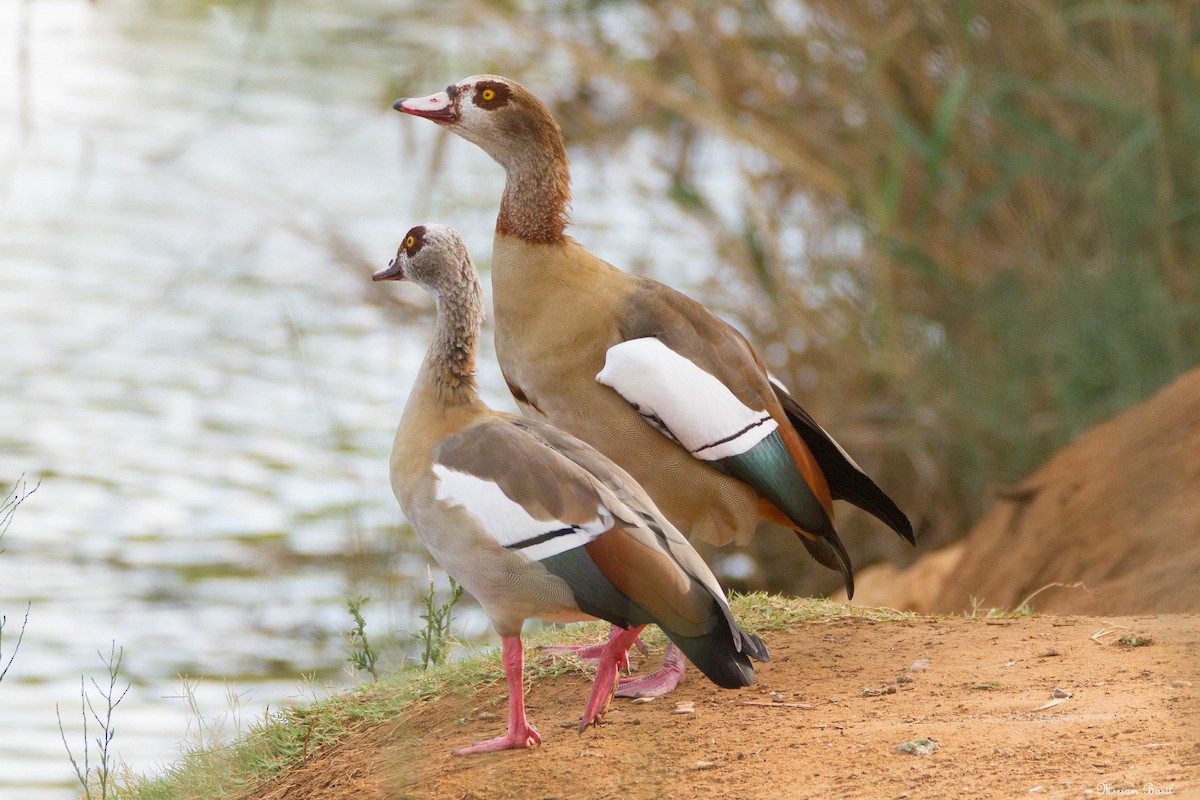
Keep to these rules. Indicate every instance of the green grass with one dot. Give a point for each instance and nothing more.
(286, 737)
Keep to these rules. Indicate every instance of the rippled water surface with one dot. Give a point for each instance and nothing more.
(196, 374)
(196, 377)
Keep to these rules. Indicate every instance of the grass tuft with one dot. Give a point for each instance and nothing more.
(17, 494)
(100, 778)
(363, 656)
(979, 612)
(435, 637)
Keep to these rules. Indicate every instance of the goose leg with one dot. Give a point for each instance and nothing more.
(659, 683)
(614, 658)
(520, 732)
(590, 654)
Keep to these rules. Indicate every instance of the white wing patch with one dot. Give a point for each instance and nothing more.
(507, 521)
(673, 393)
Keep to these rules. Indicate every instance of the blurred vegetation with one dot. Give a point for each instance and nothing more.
(16, 493)
(974, 226)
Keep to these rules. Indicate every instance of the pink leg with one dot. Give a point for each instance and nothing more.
(520, 732)
(659, 683)
(590, 654)
(615, 658)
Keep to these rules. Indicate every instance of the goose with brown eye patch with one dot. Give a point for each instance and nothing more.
(664, 387)
(489, 96)
(414, 240)
(533, 522)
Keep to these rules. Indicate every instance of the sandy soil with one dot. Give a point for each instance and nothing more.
(825, 720)
(1109, 525)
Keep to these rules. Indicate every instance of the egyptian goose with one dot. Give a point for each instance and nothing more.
(532, 521)
(646, 375)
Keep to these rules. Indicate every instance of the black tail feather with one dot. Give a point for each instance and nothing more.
(829, 552)
(752, 645)
(723, 654)
(719, 658)
(846, 481)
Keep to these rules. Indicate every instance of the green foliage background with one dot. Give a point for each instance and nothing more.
(979, 221)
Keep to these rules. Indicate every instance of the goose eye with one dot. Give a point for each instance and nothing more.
(488, 94)
(409, 242)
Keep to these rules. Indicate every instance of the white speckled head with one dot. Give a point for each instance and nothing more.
(432, 256)
(435, 258)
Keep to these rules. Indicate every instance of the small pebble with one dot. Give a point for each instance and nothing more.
(1181, 684)
(918, 747)
(704, 765)
(487, 716)
(918, 665)
(1133, 640)
(686, 707)
(643, 700)
(1060, 693)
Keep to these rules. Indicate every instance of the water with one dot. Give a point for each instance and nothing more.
(197, 374)
(202, 387)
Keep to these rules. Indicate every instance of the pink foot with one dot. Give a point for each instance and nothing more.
(513, 740)
(520, 733)
(616, 656)
(659, 683)
(588, 654)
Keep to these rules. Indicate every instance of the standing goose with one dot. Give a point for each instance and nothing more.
(532, 521)
(646, 375)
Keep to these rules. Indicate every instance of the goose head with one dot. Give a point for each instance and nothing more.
(499, 115)
(432, 256)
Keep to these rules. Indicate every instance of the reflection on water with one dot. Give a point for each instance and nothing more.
(196, 381)
(193, 366)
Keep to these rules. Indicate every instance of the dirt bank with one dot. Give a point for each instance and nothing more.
(825, 721)
(1109, 525)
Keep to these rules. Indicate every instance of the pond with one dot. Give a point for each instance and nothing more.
(199, 378)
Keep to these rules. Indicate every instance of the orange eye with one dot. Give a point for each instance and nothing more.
(488, 94)
(409, 242)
